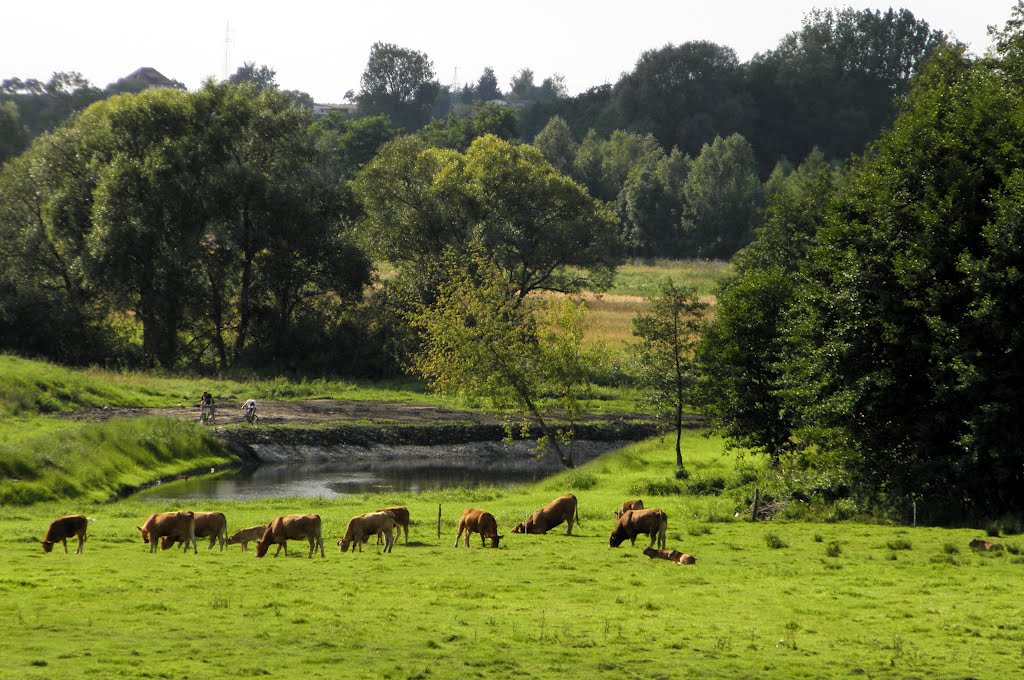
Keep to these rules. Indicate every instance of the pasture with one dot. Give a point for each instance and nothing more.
(775, 599)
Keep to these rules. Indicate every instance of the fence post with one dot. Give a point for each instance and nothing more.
(438, 521)
(753, 511)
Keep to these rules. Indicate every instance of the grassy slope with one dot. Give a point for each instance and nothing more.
(541, 606)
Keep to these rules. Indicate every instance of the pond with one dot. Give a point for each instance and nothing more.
(342, 470)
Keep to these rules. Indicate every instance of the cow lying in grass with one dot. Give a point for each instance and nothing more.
(294, 528)
(401, 522)
(178, 526)
(670, 555)
(481, 522)
(246, 536)
(212, 525)
(62, 528)
(635, 504)
(980, 544)
(361, 527)
(652, 522)
(562, 509)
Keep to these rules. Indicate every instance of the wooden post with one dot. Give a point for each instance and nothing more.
(753, 511)
(438, 520)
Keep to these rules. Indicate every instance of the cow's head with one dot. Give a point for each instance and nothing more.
(262, 547)
(47, 546)
(616, 539)
(494, 540)
(520, 528)
(145, 534)
(166, 542)
(344, 545)
(650, 552)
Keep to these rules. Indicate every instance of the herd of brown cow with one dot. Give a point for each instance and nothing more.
(387, 524)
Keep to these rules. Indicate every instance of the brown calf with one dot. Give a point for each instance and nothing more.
(63, 528)
(562, 509)
(652, 522)
(401, 521)
(670, 555)
(979, 544)
(244, 536)
(291, 527)
(178, 526)
(635, 504)
(361, 527)
(212, 525)
(481, 522)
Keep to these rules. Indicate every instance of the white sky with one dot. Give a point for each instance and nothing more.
(322, 47)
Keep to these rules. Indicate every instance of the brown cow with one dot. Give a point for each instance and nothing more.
(670, 555)
(63, 528)
(361, 527)
(291, 527)
(212, 525)
(244, 536)
(652, 522)
(401, 521)
(179, 526)
(481, 522)
(980, 544)
(635, 504)
(562, 509)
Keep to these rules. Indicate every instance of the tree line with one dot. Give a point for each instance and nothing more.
(868, 335)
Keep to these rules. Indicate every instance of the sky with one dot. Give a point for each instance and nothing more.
(322, 47)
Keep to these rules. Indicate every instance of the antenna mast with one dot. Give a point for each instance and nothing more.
(227, 48)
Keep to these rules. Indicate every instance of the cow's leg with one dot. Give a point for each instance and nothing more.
(282, 545)
(81, 543)
(406, 528)
(458, 537)
(312, 546)
(568, 532)
(389, 541)
(213, 541)
(65, 542)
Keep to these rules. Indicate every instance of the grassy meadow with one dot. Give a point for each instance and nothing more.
(778, 599)
(775, 599)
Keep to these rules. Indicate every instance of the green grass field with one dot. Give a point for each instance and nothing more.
(828, 600)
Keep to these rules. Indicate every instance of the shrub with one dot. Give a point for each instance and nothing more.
(701, 530)
(706, 486)
(833, 550)
(579, 481)
(666, 488)
(951, 549)
(775, 541)
(818, 538)
(900, 544)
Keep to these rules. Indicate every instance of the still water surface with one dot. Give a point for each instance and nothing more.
(340, 471)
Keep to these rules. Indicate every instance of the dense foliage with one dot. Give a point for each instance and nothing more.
(875, 319)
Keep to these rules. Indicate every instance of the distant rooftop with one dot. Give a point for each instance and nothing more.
(152, 78)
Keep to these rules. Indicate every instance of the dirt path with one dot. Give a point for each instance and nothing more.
(307, 412)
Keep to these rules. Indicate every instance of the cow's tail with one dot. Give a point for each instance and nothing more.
(576, 511)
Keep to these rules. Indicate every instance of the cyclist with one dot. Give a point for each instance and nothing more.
(250, 411)
(204, 407)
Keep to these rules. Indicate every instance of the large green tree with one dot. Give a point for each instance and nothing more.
(398, 83)
(906, 357)
(538, 226)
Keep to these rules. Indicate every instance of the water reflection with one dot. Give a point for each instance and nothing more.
(404, 469)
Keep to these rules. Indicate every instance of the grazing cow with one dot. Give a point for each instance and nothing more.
(361, 527)
(179, 526)
(63, 528)
(481, 522)
(635, 504)
(979, 544)
(562, 509)
(670, 555)
(652, 522)
(291, 527)
(401, 521)
(212, 525)
(244, 536)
